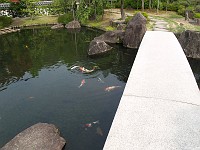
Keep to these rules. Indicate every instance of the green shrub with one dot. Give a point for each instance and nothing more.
(144, 14)
(118, 4)
(197, 15)
(128, 19)
(197, 9)
(172, 7)
(5, 21)
(190, 8)
(181, 10)
(83, 14)
(66, 18)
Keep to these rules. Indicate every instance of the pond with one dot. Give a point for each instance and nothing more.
(195, 65)
(37, 84)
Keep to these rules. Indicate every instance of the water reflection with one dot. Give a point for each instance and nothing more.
(38, 85)
(195, 65)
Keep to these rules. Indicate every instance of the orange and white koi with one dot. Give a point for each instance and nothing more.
(110, 88)
(82, 83)
(84, 70)
(89, 125)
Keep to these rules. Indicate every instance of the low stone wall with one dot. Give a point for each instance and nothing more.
(12, 29)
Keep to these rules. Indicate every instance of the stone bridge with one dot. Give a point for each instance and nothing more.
(160, 106)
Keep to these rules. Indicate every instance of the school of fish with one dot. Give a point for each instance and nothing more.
(99, 131)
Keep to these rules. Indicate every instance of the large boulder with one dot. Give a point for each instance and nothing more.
(98, 47)
(73, 25)
(135, 31)
(111, 36)
(57, 26)
(190, 42)
(41, 136)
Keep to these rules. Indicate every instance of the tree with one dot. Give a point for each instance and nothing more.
(122, 10)
(30, 8)
(142, 5)
(4, 1)
(150, 4)
(158, 4)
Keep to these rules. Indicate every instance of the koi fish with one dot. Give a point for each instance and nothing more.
(99, 79)
(74, 67)
(31, 97)
(110, 88)
(82, 83)
(84, 70)
(88, 125)
(96, 122)
(99, 131)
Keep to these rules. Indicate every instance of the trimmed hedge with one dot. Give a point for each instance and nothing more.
(5, 21)
(66, 18)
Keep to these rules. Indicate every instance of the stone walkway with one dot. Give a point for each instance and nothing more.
(160, 25)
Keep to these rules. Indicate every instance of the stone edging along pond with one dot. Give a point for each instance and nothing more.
(12, 29)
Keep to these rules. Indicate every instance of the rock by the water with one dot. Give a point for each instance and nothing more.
(98, 47)
(190, 42)
(41, 136)
(197, 21)
(135, 31)
(57, 26)
(73, 25)
(121, 26)
(115, 23)
(111, 36)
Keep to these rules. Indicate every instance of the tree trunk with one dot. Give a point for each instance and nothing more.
(122, 10)
(73, 10)
(95, 10)
(167, 5)
(150, 4)
(142, 5)
(158, 1)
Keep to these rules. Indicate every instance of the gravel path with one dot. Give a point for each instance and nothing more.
(160, 25)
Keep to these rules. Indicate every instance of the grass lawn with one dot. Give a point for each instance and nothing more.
(36, 20)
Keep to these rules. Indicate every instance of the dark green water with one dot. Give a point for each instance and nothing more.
(37, 85)
(195, 65)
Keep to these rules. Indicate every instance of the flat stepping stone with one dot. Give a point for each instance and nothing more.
(160, 26)
(158, 29)
(161, 23)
